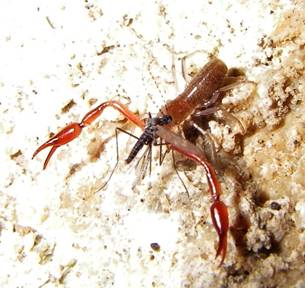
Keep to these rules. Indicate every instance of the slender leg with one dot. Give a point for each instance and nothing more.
(162, 157)
(160, 152)
(229, 117)
(175, 167)
(126, 132)
(150, 158)
(184, 59)
(208, 145)
(117, 130)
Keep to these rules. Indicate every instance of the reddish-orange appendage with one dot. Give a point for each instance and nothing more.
(96, 112)
(66, 135)
(72, 131)
(219, 212)
(220, 219)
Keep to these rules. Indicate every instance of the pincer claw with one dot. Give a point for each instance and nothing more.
(220, 219)
(69, 133)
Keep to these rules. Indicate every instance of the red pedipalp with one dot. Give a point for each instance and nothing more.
(73, 130)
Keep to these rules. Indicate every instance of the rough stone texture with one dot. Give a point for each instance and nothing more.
(61, 58)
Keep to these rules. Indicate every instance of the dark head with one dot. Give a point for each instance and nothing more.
(165, 119)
